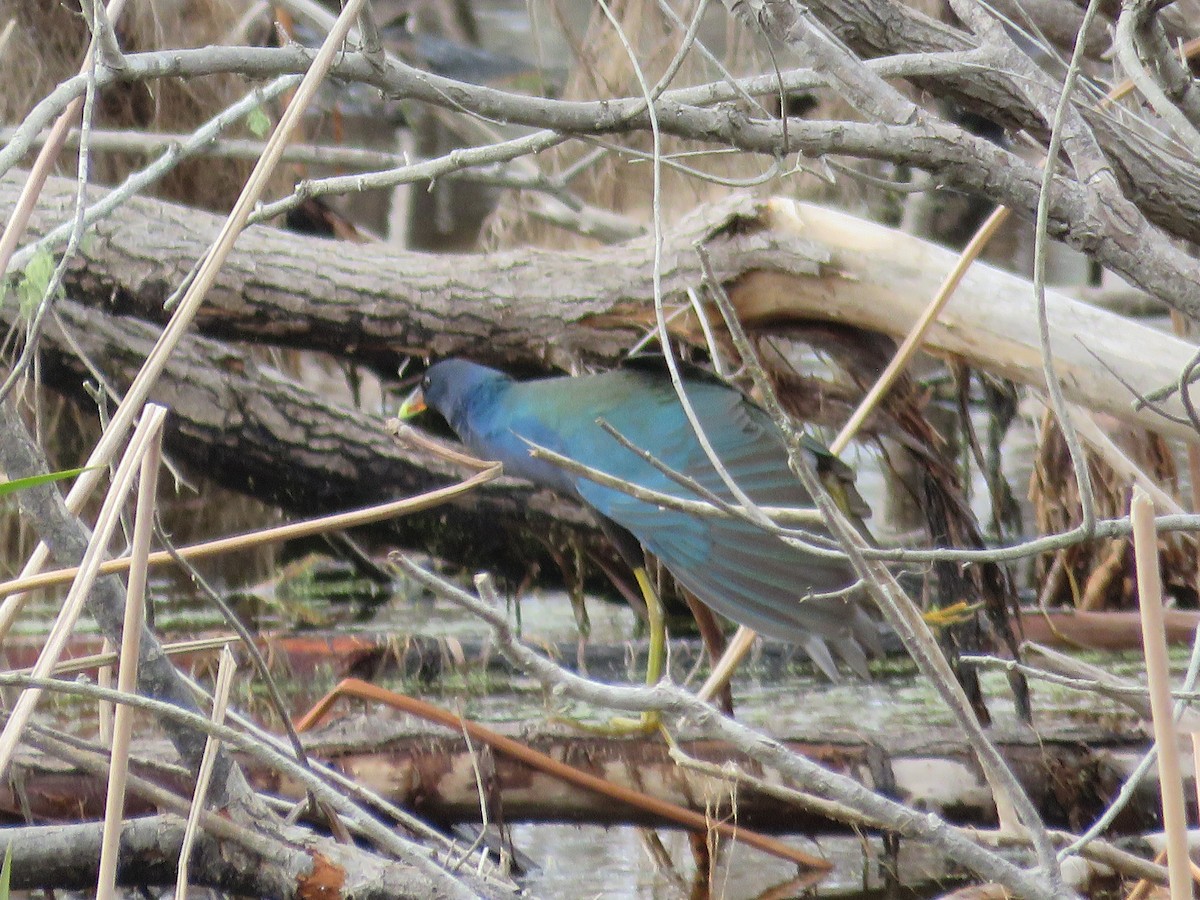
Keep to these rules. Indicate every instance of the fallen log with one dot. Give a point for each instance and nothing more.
(66, 857)
(881, 279)
(782, 262)
(1071, 773)
(252, 429)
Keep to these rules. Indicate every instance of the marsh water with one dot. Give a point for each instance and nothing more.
(577, 862)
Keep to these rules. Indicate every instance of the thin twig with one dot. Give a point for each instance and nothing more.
(60, 746)
(131, 638)
(1136, 16)
(678, 703)
(225, 672)
(1100, 681)
(456, 161)
(362, 821)
(1083, 479)
(183, 147)
(36, 179)
(712, 506)
(75, 227)
(370, 42)
(238, 543)
(353, 687)
(349, 787)
(108, 51)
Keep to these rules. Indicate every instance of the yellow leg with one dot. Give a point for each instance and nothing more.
(656, 662)
(656, 659)
(954, 614)
(656, 654)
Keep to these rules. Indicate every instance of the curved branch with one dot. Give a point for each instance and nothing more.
(1177, 102)
(1116, 235)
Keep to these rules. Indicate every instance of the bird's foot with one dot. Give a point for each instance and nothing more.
(954, 614)
(617, 726)
(656, 661)
(646, 723)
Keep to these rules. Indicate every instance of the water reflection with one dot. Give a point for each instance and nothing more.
(585, 862)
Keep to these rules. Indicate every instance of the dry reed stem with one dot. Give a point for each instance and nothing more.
(279, 533)
(1170, 778)
(1142, 889)
(150, 426)
(186, 311)
(739, 646)
(127, 673)
(225, 673)
(1195, 736)
(916, 336)
(6, 34)
(104, 678)
(107, 658)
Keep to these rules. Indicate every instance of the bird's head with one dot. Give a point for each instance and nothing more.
(451, 387)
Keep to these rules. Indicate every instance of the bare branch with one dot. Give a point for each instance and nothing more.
(1115, 234)
(678, 704)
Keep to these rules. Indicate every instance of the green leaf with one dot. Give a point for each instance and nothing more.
(11, 487)
(34, 280)
(258, 122)
(6, 872)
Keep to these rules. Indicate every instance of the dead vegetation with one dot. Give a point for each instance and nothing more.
(277, 354)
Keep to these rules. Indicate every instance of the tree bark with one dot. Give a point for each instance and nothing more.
(67, 857)
(1161, 182)
(250, 429)
(783, 262)
(1069, 772)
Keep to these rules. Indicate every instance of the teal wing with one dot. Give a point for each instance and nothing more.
(738, 569)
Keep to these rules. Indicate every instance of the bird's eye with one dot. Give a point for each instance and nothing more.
(425, 383)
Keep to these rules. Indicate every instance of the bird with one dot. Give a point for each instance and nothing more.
(737, 568)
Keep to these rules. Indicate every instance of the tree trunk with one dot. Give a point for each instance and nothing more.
(784, 263)
(250, 429)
